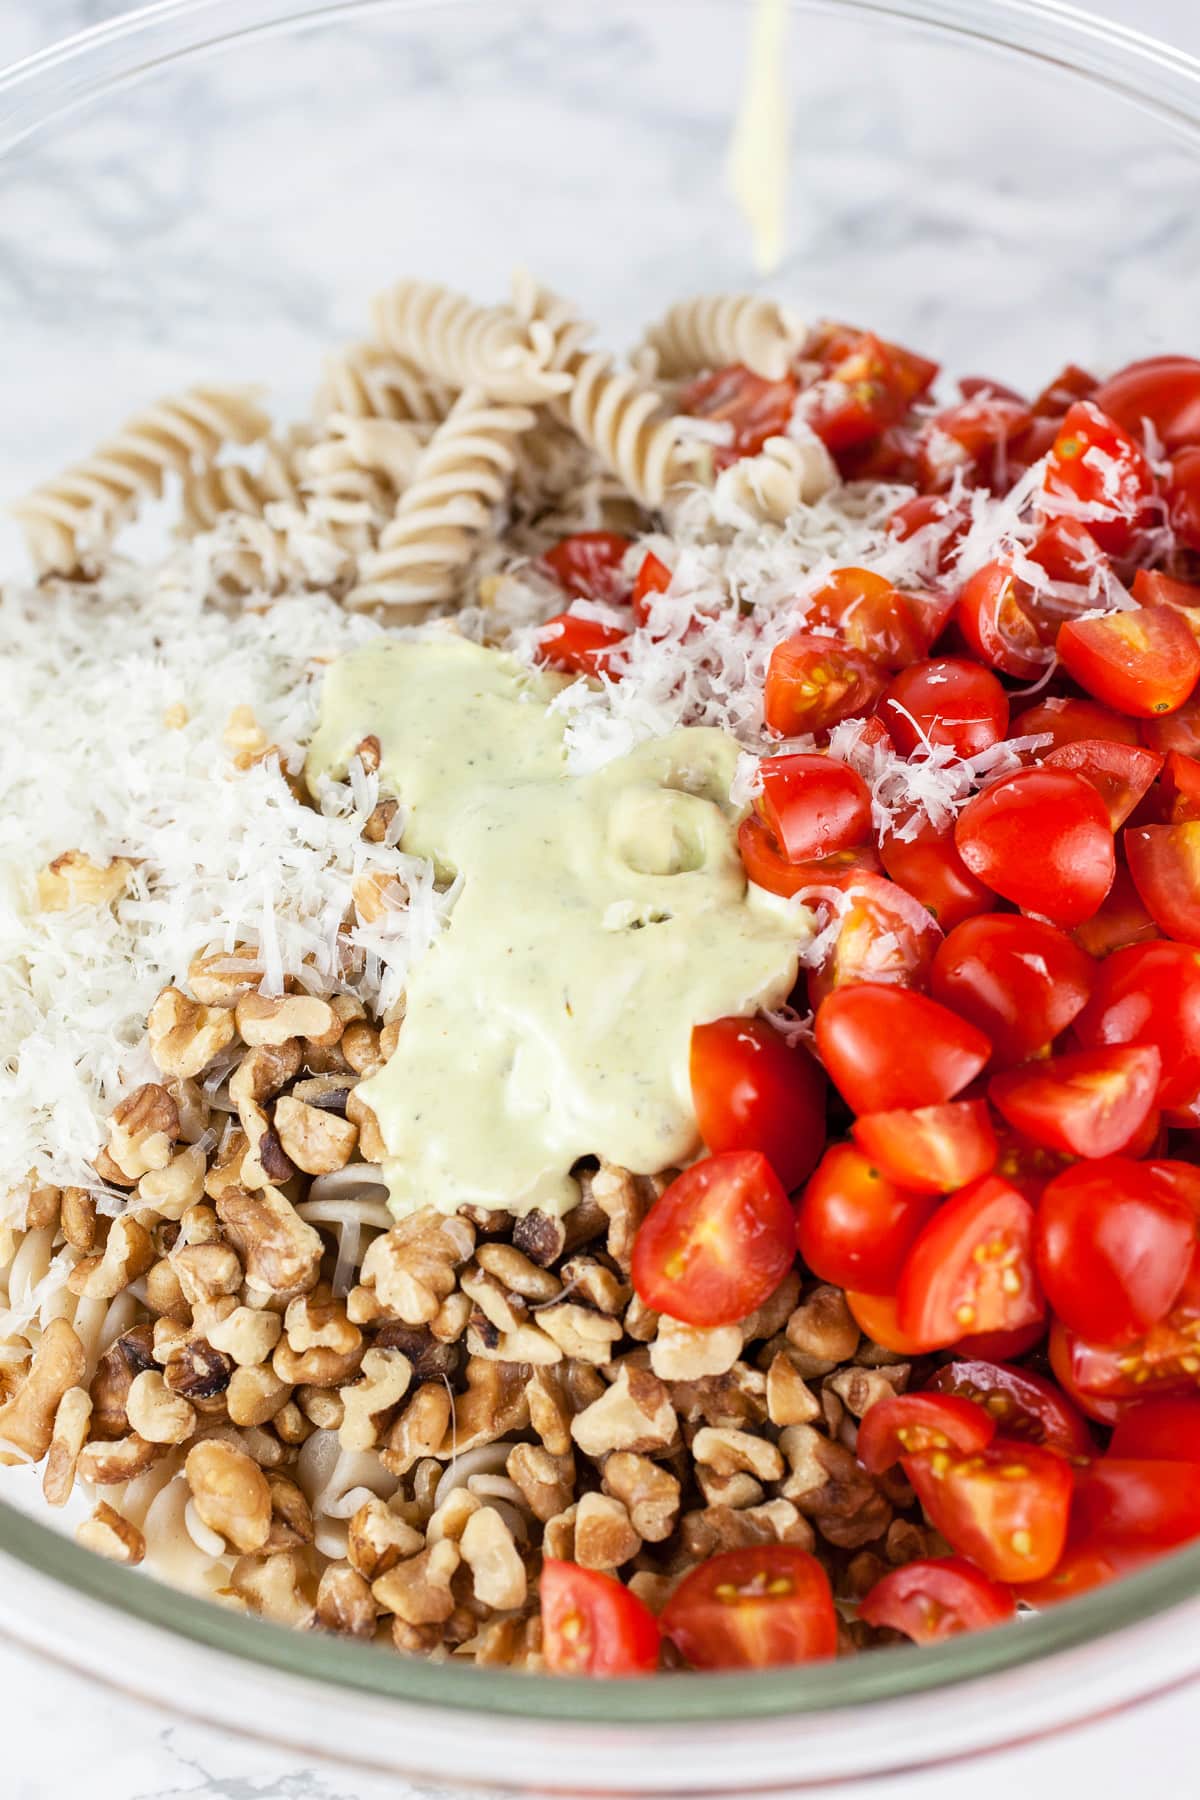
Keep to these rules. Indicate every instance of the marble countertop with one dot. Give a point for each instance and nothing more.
(64, 1736)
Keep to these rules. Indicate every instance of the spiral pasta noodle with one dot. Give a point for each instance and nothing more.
(713, 330)
(768, 488)
(486, 348)
(234, 487)
(369, 381)
(462, 475)
(69, 521)
(357, 473)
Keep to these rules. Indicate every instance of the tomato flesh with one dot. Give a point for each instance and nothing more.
(653, 577)
(1150, 994)
(854, 1225)
(1166, 1429)
(1040, 838)
(754, 1091)
(717, 1243)
(875, 1316)
(1066, 719)
(767, 865)
(1092, 1104)
(1132, 1509)
(1144, 663)
(582, 646)
(814, 806)
(866, 385)
(1122, 774)
(752, 408)
(929, 1149)
(884, 935)
(1096, 465)
(972, 1267)
(755, 1608)
(1024, 1405)
(911, 1424)
(997, 626)
(936, 1598)
(1164, 390)
(927, 865)
(592, 1625)
(588, 564)
(1021, 981)
(1164, 861)
(813, 682)
(887, 1047)
(1006, 1507)
(947, 702)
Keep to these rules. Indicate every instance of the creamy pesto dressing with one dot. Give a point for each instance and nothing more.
(601, 917)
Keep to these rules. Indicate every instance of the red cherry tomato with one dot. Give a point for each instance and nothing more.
(866, 385)
(936, 1598)
(653, 578)
(1002, 1346)
(584, 646)
(1096, 465)
(767, 866)
(884, 936)
(972, 1267)
(929, 1149)
(1152, 588)
(870, 615)
(754, 409)
(1122, 920)
(1024, 1405)
(814, 806)
(875, 1316)
(587, 565)
(1179, 789)
(1164, 861)
(1133, 1509)
(1019, 980)
(945, 701)
(1113, 1248)
(1163, 1430)
(592, 1625)
(1183, 497)
(753, 1609)
(1122, 774)
(1092, 1104)
(887, 1047)
(754, 1091)
(813, 682)
(927, 865)
(1041, 838)
(971, 440)
(1174, 731)
(717, 1243)
(1006, 1507)
(1145, 662)
(998, 628)
(1058, 396)
(1068, 719)
(1150, 994)
(854, 1225)
(1163, 390)
(910, 1424)
(947, 526)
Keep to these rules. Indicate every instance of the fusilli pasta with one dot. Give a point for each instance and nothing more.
(715, 329)
(769, 487)
(487, 348)
(369, 381)
(235, 487)
(70, 521)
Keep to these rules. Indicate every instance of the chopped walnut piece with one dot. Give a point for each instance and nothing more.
(128, 1253)
(223, 976)
(73, 879)
(370, 1138)
(226, 1167)
(688, 1353)
(263, 1020)
(507, 1312)
(451, 1318)
(580, 1332)
(281, 1587)
(517, 1273)
(418, 1590)
(164, 1296)
(132, 1352)
(360, 1047)
(449, 1520)
(634, 1414)
(859, 1389)
(822, 1332)
(738, 1490)
(171, 1190)
(142, 1130)
(790, 1400)
(546, 1482)
(527, 1344)
(378, 1539)
(550, 1412)
(108, 1534)
(370, 1401)
(313, 1139)
(291, 1515)
(831, 1488)
(737, 1400)
(157, 1414)
(71, 1420)
(494, 1405)
(104, 1464)
(27, 1418)
(322, 1405)
(650, 1494)
(256, 1395)
(716, 1528)
(772, 1316)
(42, 1207)
(625, 1200)
(184, 1036)
(78, 1219)
(290, 1425)
(412, 1267)
(588, 1279)
(316, 1321)
(345, 1603)
(429, 1358)
(420, 1430)
(244, 737)
(558, 1538)
(641, 1321)
(497, 1572)
(281, 1255)
(604, 1536)
(727, 1452)
(247, 1336)
(205, 1271)
(230, 1492)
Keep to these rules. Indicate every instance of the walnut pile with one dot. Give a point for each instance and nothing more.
(391, 1458)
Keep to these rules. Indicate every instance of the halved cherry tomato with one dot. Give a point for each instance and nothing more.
(1166, 1429)
(1041, 838)
(945, 701)
(754, 1091)
(1150, 994)
(1183, 497)
(1058, 396)
(909, 1424)
(875, 1316)
(871, 615)
(1145, 662)
(935, 1598)
(947, 526)
(1105, 1380)
(1024, 1406)
(1006, 1507)
(1028, 1166)
(1174, 731)
(867, 384)
(753, 408)
(929, 1149)
(971, 439)
(1096, 465)
(1122, 774)
(1179, 789)
(1133, 1509)
(854, 1225)
(653, 577)
(1113, 1248)
(886, 1047)
(1021, 981)
(1121, 921)
(1092, 1104)
(1164, 390)
(769, 868)
(592, 1625)
(813, 682)
(753, 1609)
(884, 935)
(927, 865)
(997, 627)
(1067, 719)
(582, 645)
(972, 1267)
(587, 565)
(814, 806)
(1164, 861)
(717, 1243)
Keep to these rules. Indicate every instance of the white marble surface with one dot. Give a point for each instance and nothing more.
(63, 1736)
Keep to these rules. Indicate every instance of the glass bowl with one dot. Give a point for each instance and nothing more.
(212, 188)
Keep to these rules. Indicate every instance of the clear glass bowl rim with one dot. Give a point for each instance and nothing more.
(67, 76)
